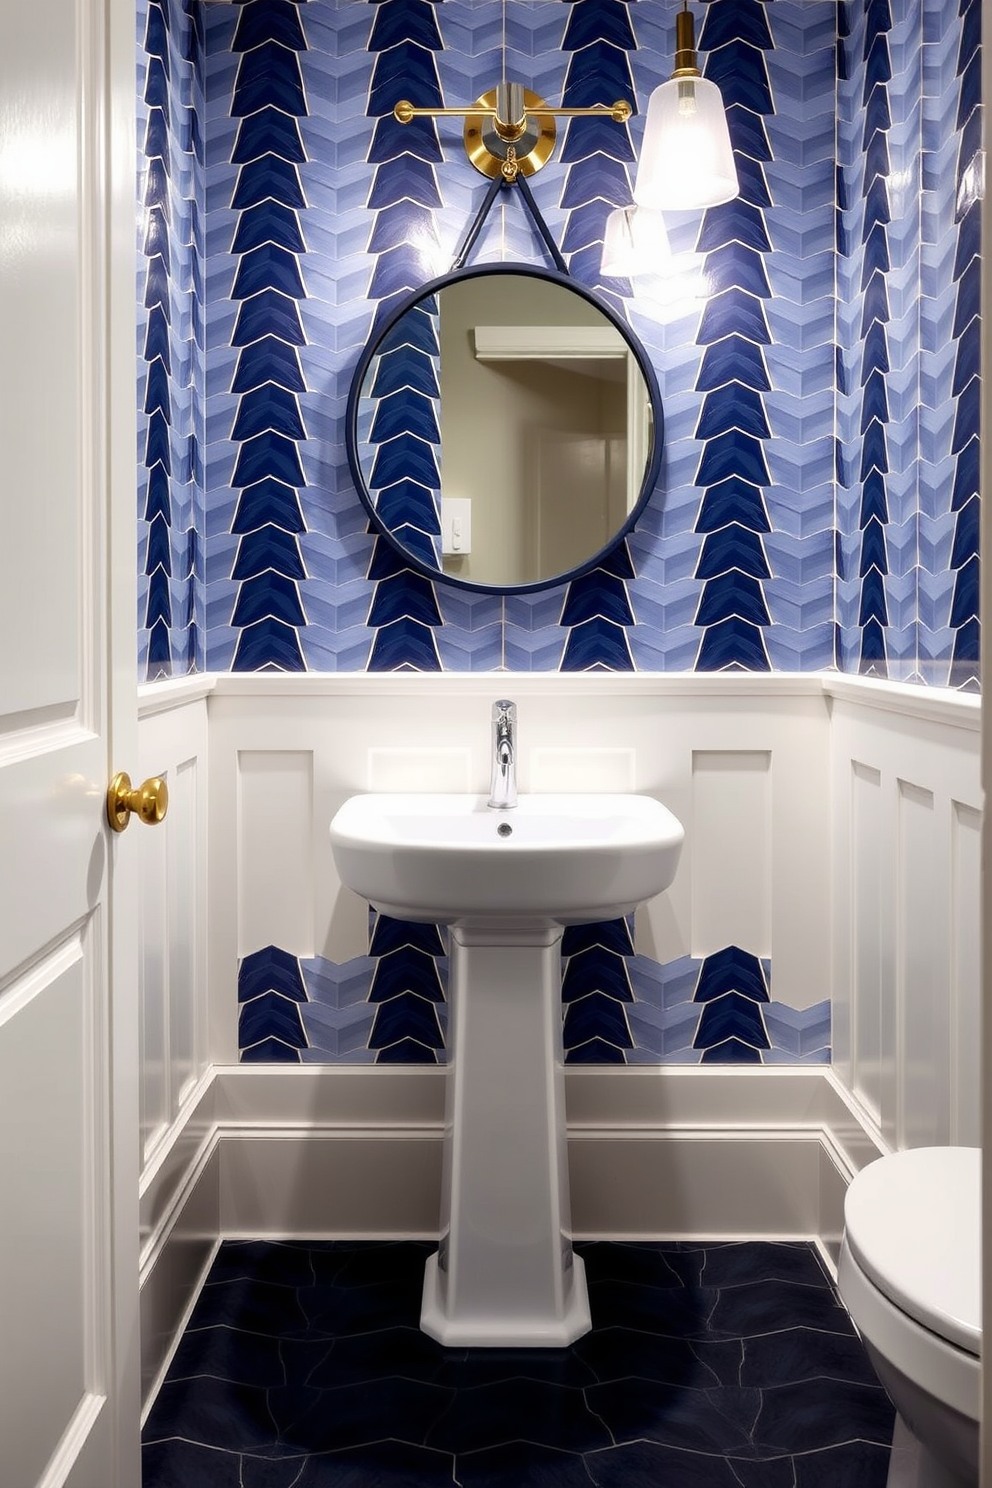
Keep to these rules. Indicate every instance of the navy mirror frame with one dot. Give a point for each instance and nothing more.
(424, 292)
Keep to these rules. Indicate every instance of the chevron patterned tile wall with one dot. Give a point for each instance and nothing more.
(617, 1007)
(286, 213)
(172, 305)
(908, 241)
(816, 342)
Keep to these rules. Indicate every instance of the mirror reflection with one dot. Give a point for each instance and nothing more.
(504, 428)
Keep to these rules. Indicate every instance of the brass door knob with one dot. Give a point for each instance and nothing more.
(150, 800)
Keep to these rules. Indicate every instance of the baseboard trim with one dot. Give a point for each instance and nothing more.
(356, 1153)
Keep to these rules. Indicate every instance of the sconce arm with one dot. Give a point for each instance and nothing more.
(619, 112)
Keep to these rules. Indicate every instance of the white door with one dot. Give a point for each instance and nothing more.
(570, 509)
(68, 1127)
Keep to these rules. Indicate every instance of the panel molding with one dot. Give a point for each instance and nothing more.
(765, 1152)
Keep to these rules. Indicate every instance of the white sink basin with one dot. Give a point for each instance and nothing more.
(451, 858)
(505, 1275)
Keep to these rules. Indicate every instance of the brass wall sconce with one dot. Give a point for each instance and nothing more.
(510, 131)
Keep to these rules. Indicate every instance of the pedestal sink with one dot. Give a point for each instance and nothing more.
(506, 882)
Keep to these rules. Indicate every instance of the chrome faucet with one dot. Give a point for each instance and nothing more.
(503, 794)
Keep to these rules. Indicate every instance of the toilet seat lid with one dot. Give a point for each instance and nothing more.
(913, 1223)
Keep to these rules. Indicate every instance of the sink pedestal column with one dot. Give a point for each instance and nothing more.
(505, 1275)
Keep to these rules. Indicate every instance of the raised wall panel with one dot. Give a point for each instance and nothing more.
(54, 1183)
(865, 887)
(966, 826)
(171, 861)
(155, 925)
(612, 770)
(394, 768)
(275, 851)
(922, 971)
(185, 898)
(730, 845)
(906, 906)
(173, 1275)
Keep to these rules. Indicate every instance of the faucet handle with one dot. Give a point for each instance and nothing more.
(504, 708)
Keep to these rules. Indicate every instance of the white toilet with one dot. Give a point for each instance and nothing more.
(910, 1276)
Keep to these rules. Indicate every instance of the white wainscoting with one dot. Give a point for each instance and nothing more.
(906, 823)
(276, 1152)
(735, 755)
(172, 861)
(831, 823)
(177, 1225)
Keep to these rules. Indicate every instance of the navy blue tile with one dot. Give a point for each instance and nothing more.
(212, 1412)
(733, 500)
(347, 1310)
(362, 1390)
(596, 969)
(263, 1472)
(277, 22)
(732, 645)
(406, 1352)
(646, 1264)
(185, 1464)
(812, 1414)
(271, 1051)
(407, 600)
(717, 1421)
(406, 1051)
(384, 1464)
(596, 1051)
(519, 1411)
(645, 1464)
(674, 1312)
(252, 1305)
(854, 1464)
(310, 1420)
(596, 1016)
(625, 1353)
(597, 645)
(754, 1307)
(791, 1354)
(268, 77)
(525, 1466)
(271, 970)
(406, 969)
(269, 313)
(597, 594)
(474, 1368)
(245, 1359)
(406, 1016)
(733, 358)
(763, 1260)
(369, 1263)
(612, 935)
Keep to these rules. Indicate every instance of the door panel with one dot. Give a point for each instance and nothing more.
(68, 1199)
(50, 1024)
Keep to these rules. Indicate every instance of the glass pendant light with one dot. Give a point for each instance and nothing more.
(686, 157)
(635, 242)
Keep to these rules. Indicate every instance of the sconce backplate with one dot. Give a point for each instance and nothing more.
(487, 150)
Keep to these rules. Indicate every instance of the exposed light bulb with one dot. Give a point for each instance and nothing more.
(687, 98)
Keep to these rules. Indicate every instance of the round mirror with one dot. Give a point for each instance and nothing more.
(504, 428)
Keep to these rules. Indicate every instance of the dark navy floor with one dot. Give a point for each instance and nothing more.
(708, 1366)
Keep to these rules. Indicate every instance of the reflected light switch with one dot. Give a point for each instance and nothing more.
(456, 524)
